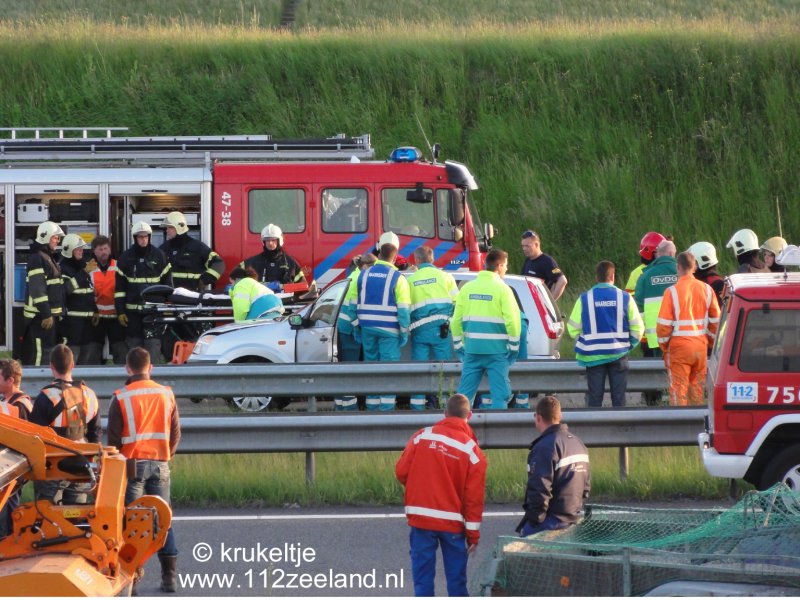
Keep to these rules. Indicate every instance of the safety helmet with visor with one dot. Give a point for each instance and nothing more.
(272, 232)
(774, 244)
(71, 243)
(649, 243)
(178, 221)
(744, 240)
(47, 230)
(705, 254)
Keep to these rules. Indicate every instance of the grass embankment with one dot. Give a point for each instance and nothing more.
(589, 133)
(368, 478)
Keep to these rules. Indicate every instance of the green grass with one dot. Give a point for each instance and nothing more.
(368, 478)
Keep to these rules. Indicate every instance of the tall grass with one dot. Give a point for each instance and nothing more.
(368, 478)
(590, 133)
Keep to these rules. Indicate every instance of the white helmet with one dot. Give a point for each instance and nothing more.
(272, 232)
(47, 230)
(774, 244)
(141, 227)
(705, 254)
(388, 237)
(744, 240)
(178, 221)
(72, 242)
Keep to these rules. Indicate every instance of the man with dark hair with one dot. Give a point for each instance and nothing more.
(72, 410)
(103, 271)
(443, 471)
(486, 328)
(607, 326)
(250, 298)
(558, 473)
(382, 298)
(541, 265)
(143, 424)
(687, 325)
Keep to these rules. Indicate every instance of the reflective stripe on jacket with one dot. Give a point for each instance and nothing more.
(690, 310)
(104, 283)
(45, 296)
(606, 323)
(137, 269)
(486, 316)
(383, 299)
(654, 281)
(9, 409)
(348, 314)
(251, 300)
(146, 408)
(444, 471)
(77, 289)
(55, 394)
(432, 293)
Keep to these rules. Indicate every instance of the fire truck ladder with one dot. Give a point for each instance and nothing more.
(51, 144)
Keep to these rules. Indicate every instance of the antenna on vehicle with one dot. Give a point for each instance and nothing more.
(434, 150)
(778, 209)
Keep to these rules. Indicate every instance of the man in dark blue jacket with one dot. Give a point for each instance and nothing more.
(558, 474)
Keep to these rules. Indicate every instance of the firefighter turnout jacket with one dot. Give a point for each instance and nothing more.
(486, 319)
(143, 420)
(558, 477)
(192, 262)
(432, 292)
(45, 296)
(137, 269)
(77, 288)
(104, 282)
(70, 409)
(444, 472)
(606, 323)
(275, 265)
(382, 299)
(654, 281)
(689, 314)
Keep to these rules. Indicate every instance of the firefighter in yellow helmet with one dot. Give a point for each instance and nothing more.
(770, 251)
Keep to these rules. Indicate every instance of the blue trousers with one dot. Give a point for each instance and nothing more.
(427, 345)
(383, 349)
(424, 543)
(349, 348)
(152, 478)
(496, 368)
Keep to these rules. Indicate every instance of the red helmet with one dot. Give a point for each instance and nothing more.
(647, 247)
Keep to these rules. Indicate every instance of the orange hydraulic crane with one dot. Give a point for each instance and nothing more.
(72, 550)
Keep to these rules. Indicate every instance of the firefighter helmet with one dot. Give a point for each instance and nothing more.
(272, 232)
(774, 244)
(178, 221)
(649, 243)
(47, 230)
(388, 237)
(744, 240)
(141, 227)
(705, 254)
(72, 242)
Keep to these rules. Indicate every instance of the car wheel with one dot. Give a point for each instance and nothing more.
(251, 403)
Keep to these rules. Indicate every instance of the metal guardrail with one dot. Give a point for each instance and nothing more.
(330, 379)
(335, 432)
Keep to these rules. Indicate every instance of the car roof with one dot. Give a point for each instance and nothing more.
(765, 286)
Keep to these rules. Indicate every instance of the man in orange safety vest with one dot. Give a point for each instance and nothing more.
(686, 327)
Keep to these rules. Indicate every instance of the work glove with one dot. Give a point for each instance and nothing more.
(48, 322)
(90, 266)
(123, 320)
(275, 286)
(95, 319)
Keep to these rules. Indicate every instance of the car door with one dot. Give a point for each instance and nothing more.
(316, 341)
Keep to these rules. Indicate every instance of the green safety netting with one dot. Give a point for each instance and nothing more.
(624, 551)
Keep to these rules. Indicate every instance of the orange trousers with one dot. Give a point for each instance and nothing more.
(687, 365)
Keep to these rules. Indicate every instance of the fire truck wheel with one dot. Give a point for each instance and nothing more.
(784, 468)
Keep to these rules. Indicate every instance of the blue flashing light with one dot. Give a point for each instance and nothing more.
(405, 154)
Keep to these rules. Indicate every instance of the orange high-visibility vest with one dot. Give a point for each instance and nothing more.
(145, 407)
(9, 409)
(104, 285)
(689, 310)
(90, 404)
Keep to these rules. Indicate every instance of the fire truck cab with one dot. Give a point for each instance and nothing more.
(753, 423)
(329, 197)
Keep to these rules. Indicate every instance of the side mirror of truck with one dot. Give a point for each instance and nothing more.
(488, 231)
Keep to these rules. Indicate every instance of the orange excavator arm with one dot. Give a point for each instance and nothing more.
(72, 550)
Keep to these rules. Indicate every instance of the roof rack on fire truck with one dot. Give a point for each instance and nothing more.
(97, 143)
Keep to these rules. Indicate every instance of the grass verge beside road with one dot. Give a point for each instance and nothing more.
(368, 478)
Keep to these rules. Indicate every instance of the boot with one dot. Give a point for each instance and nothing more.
(169, 567)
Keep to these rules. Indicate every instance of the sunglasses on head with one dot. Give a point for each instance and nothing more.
(530, 233)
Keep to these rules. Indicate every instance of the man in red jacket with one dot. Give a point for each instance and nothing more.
(444, 473)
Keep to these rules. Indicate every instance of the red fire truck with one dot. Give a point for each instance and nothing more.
(329, 196)
(753, 424)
